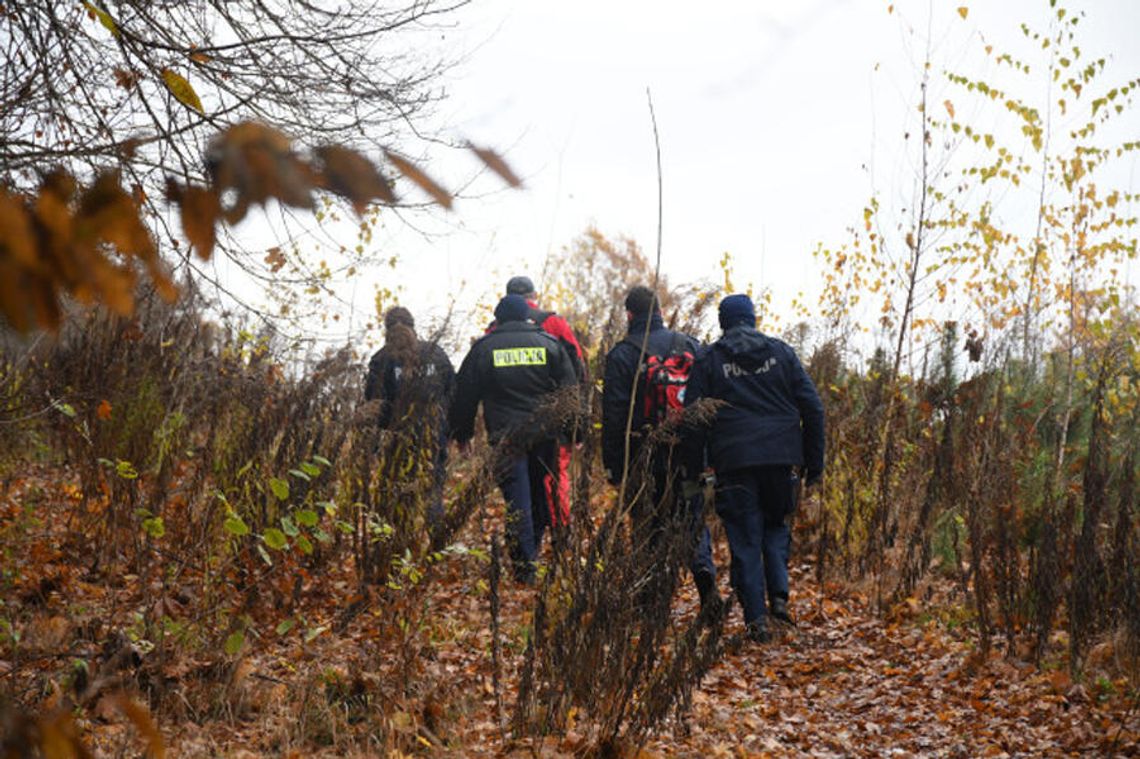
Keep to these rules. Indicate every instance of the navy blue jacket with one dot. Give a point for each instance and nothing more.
(622, 363)
(772, 413)
(510, 370)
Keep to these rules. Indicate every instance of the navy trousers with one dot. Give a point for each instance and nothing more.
(754, 504)
(670, 510)
(532, 487)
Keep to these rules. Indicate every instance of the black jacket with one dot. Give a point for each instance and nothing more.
(772, 416)
(557, 327)
(510, 370)
(622, 364)
(421, 392)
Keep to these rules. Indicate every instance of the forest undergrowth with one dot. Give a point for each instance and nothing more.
(205, 555)
(845, 681)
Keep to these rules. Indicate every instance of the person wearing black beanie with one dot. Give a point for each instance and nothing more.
(768, 429)
(512, 308)
(663, 506)
(511, 371)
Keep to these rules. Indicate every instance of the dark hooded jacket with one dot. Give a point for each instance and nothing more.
(772, 413)
(622, 364)
(420, 390)
(510, 370)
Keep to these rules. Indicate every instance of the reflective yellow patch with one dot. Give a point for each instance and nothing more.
(520, 357)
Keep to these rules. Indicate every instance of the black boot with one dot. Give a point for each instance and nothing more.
(780, 610)
(712, 609)
(757, 631)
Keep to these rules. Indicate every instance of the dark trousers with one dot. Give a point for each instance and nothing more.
(435, 511)
(754, 504)
(668, 511)
(532, 486)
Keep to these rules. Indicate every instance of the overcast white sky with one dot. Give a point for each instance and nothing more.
(777, 121)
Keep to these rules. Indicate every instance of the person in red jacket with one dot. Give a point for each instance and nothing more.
(555, 326)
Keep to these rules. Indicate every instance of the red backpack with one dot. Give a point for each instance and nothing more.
(666, 377)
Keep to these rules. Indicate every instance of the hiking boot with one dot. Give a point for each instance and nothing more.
(780, 611)
(712, 609)
(757, 632)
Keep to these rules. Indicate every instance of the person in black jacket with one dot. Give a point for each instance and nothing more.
(511, 370)
(624, 377)
(770, 425)
(413, 381)
(556, 326)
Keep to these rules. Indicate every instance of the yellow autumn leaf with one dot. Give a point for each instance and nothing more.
(181, 90)
(104, 17)
(963, 11)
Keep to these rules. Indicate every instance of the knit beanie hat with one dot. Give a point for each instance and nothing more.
(736, 310)
(512, 308)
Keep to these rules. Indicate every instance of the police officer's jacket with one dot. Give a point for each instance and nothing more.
(419, 391)
(510, 370)
(772, 414)
(622, 364)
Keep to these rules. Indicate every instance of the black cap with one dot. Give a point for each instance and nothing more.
(520, 286)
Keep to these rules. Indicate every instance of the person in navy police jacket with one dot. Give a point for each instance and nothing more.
(768, 430)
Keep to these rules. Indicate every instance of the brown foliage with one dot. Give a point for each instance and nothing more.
(64, 240)
(67, 241)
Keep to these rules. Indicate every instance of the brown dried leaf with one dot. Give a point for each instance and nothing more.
(16, 241)
(200, 211)
(126, 78)
(352, 176)
(44, 305)
(139, 715)
(425, 183)
(15, 303)
(108, 212)
(276, 259)
(258, 162)
(495, 163)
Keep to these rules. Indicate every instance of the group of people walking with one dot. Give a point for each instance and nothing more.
(760, 440)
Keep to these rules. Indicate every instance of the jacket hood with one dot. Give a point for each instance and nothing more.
(747, 345)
